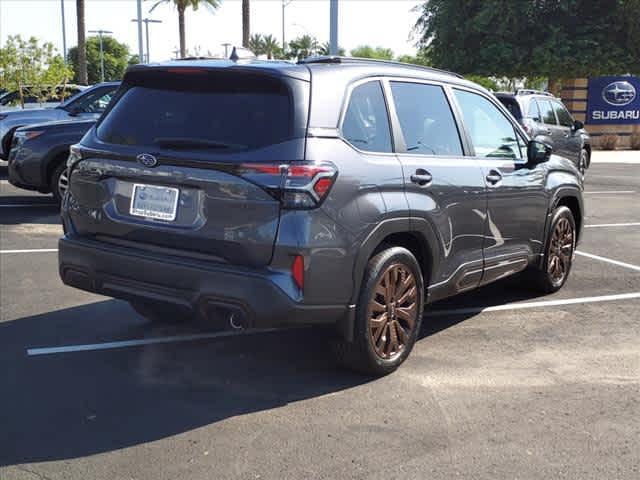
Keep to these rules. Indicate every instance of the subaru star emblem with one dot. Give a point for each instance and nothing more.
(619, 94)
(147, 160)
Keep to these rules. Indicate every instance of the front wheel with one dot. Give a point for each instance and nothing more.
(559, 252)
(388, 314)
(583, 163)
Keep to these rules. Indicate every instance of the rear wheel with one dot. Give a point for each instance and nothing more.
(388, 314)
(59, 182)
(559, 252)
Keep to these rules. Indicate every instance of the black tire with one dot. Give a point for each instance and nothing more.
(160, 314)
(558, 253)
(583, 163)
(363, 354)
(56, 180)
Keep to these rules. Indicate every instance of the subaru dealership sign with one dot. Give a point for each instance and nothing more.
(613, 100)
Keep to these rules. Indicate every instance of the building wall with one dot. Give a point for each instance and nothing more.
(574, 96)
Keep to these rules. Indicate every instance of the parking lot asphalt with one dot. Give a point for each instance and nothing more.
(504, 383)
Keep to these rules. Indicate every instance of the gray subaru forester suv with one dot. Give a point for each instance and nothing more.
(335, 191)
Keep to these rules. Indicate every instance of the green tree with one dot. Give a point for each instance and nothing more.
(419, 59)
(522, 38)
(325, 49)
(256, 44)
(367, 51)
(181, 6)
(303, 47)
(271, 47)
(116, 59)
(26, 63)
(486, 82)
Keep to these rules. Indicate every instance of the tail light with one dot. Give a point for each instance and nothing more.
(297, 186)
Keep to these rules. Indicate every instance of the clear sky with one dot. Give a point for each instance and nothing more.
(386, 23)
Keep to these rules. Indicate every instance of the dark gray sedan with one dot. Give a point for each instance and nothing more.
(38, 156)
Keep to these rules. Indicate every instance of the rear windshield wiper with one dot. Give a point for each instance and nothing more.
(186, 142)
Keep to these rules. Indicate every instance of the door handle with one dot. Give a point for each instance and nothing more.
(421, 177)
(493, 177)
(546, 132)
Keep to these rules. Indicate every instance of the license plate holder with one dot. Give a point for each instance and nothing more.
(154, 202)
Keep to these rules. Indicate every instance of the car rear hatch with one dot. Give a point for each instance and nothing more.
(171, 165)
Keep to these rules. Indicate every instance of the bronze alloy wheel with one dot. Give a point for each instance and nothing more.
(560, 251)
(393, 311)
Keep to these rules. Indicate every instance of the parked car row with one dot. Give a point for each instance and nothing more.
(340, 192)
(31, 97)
(545, 118)
(36, 142)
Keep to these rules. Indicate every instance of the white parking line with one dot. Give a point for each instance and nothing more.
(203, 336)
(610, 192)
(633, 224)
(608, 260)
(31, 250)
(144, 341)
(546, 303)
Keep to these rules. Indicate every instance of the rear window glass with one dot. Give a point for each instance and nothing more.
(201, 113)
(511, 104)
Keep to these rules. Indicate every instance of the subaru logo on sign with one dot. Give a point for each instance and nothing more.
(619, 93)
(147, 160)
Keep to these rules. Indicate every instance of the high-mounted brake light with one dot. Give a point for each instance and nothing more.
(187, 70)
(297, 186)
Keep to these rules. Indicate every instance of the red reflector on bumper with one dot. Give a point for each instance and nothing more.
(297, 271)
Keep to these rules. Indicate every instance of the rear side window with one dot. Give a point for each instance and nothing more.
(215, 112)
(492, 134)
(366, 122)
(534, 112)
(564, 117)
(426, 119)
(546, 111)
(511, 104)
(95, 101)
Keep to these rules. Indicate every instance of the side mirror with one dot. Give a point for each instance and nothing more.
(538, 152)
(577, 125)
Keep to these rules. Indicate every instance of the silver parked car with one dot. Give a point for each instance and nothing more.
(88, 104)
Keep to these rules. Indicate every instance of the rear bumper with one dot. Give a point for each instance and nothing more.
(204, 288)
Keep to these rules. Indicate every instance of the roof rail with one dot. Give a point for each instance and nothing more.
(338, 59)
(528, 91)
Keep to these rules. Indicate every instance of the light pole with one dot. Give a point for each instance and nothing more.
(226, 49)
(333, 27)
(100, 34)
(140, 49)
(146, 22)
(284, 5)
(64, 33)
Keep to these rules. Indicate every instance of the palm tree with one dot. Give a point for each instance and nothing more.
(325, 49)
(82, 47)
(303, 47)
(246, 24)
(256, 44)
(270, 46)
(181, 6)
